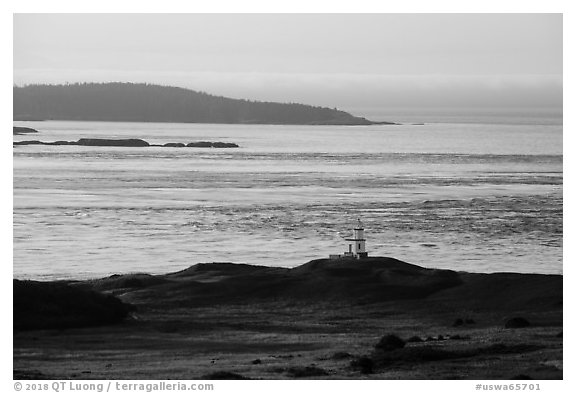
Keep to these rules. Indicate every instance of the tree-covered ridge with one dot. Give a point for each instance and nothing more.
(154, 103)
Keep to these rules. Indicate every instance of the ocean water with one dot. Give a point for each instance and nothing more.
(478, 197)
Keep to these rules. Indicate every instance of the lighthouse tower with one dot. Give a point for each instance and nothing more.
(357, 244)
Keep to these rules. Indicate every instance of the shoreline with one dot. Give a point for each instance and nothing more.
(103, 276)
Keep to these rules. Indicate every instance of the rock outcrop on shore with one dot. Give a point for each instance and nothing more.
(125, 143)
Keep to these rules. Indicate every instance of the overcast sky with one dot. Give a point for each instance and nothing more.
(349, 61)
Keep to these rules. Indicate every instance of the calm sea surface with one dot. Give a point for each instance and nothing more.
(469, 196)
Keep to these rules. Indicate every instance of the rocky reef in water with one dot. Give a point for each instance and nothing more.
(22, 130)
(125, 143)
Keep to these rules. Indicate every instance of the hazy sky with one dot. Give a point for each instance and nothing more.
(349, 61)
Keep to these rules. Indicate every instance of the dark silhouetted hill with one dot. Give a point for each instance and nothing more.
(58, 305)
(375, 279)
(153, 103)
(44, 305)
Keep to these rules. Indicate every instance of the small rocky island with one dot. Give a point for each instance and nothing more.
(125, 143)
(22, 130)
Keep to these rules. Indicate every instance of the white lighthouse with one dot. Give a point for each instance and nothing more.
(357, 244)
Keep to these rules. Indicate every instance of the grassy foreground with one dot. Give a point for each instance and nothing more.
(378, 318)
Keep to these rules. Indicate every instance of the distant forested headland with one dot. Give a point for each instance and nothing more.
(153, 103)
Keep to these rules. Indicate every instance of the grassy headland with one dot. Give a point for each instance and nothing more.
(378, 318)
